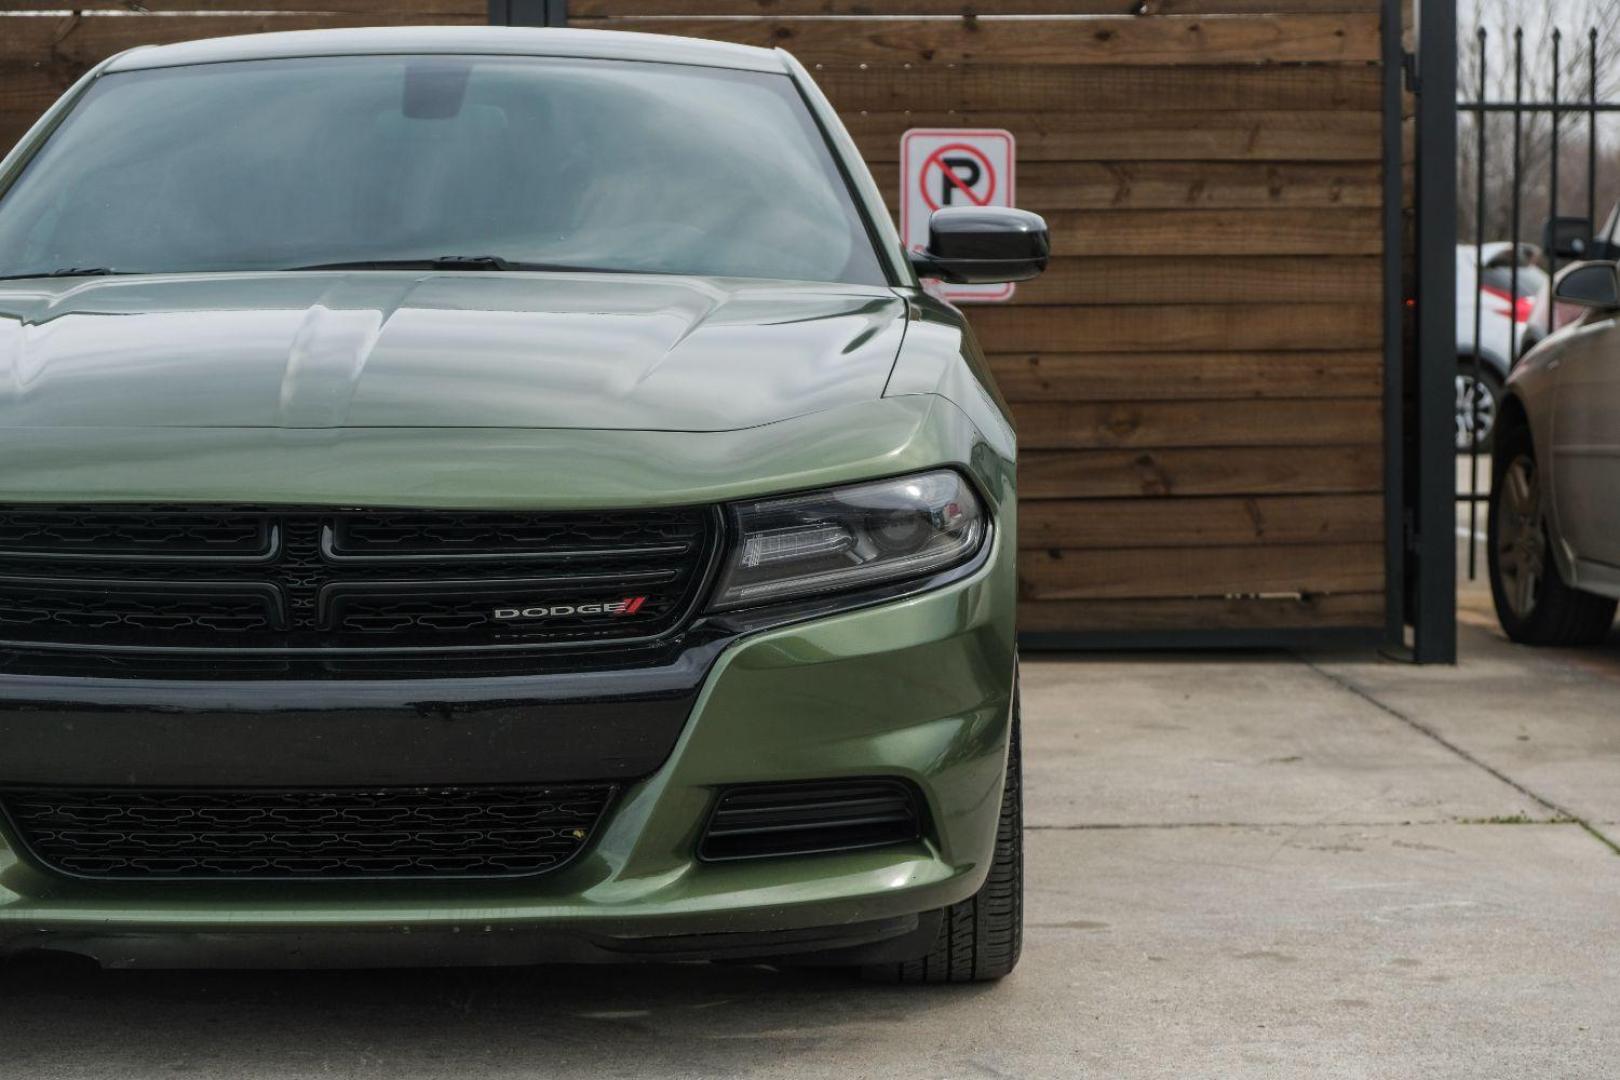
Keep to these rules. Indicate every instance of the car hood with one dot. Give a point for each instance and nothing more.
(438, 350)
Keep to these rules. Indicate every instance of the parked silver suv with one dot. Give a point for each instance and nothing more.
(1555, 497)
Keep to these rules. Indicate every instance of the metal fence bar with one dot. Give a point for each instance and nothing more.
(1552, 183)
(1517, 228)
(1434, 524)
(1515, 231)
(1591, 126)
(1559, 234)
(1479, 304)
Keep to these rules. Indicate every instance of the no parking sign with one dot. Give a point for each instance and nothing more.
(942, 167)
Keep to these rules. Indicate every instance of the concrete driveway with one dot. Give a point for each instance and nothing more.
(1244, 866)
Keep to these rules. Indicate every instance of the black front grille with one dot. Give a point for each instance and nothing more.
(256, 834)
(97, 533)
(259, 580)
(763, 820)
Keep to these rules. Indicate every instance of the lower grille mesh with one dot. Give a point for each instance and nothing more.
(259, 833)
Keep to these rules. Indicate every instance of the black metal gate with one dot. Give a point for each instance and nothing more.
(1427, 466)
(1517, 127)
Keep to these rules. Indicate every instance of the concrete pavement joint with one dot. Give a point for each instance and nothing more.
(1423, 729)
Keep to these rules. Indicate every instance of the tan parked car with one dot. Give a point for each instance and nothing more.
(1555, 499)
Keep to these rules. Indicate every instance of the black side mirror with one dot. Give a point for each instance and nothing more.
(984, 245)
(1567, 237)
(1592, 285)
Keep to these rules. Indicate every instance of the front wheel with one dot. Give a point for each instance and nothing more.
(980, 938)
(1533, 603)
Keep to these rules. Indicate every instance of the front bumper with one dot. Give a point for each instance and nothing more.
(918, 688)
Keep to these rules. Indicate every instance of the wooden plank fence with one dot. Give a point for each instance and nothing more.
(1198, 381)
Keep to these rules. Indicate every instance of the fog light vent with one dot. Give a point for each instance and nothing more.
(762, 820)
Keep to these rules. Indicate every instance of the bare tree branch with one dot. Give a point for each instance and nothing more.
(1507, 48)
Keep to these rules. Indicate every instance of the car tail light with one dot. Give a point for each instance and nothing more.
(1520, 309)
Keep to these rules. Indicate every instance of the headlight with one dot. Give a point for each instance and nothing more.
(848, 537)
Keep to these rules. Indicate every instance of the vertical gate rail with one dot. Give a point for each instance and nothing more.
(528, 12)
(1394, 198)
(1432, 527)
(1481, 108)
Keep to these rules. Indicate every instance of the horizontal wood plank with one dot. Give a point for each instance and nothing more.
(27, 93)
(1123, 39)
(1130, 573)
(1207, 613)
(992, 87)
(1289, 519)
(1098, 135)
(1187, 376)
(77, 43)
(585, 11)
(1216, 232)
(12, 128)
(1156, 424)
(582, 10)
(1046, 186)
(1252, 7)
(1210, 280)
(421, 9)
(1182, 328)
(1159, 472)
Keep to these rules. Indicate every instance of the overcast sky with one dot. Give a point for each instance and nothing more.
(1539, 18)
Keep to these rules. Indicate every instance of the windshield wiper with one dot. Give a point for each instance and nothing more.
(66, 271)
(453, 262)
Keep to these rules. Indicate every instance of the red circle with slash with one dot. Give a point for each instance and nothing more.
(937, 160)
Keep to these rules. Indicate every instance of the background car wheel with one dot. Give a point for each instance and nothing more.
(1477, 399)
(981, 937)
(1533, 603)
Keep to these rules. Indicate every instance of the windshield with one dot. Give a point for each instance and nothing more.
(282, 164)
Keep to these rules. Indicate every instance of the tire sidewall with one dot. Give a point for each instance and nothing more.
(1493, 386)
(1562, 615)
(1513, 441)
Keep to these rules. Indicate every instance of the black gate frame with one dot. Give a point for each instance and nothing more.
(528, 12)
(1430, 517)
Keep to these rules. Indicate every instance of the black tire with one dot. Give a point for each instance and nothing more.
(1490, 406)
(1556, 614)
(981, 937)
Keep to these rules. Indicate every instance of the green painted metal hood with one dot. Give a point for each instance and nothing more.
(459, 390)
(437, 350)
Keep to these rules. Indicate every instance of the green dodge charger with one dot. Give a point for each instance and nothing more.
(497, 496)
